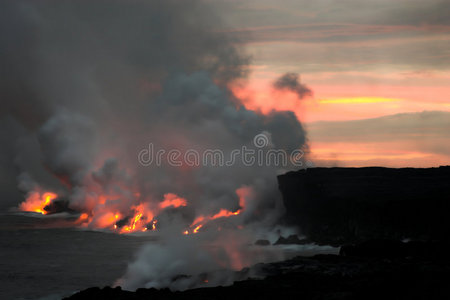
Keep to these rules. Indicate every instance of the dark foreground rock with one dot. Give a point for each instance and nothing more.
(392, 249)
(262, 243)
(345, 205)
(59, 206)
(292, 240)
(354, 276)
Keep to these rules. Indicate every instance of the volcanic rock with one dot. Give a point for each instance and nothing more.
(58, 206)
(291, 240)
(318, 277)
(345, 205)
(262, 243)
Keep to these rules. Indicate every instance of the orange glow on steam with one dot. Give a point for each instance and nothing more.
(36, 202)
(201, 220)
(172, 200)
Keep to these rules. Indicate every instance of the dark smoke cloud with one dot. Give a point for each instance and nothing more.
(101, 61)
(85, 85)
(82, 80)
(291, 82)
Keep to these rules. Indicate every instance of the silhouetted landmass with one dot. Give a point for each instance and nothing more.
(395, 270)
(343, 205)
(262, 242)
(291, 240)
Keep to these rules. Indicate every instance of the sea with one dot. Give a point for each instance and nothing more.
(46, 258)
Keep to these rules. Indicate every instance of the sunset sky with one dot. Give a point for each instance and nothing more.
(379, 72)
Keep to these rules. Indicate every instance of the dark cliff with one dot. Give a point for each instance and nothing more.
(343, 205)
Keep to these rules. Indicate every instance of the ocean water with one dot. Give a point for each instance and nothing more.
(38, 260)
(45, 258)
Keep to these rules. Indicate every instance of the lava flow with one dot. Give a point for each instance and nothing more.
(37, 202)
(200, 221)
(141, 217)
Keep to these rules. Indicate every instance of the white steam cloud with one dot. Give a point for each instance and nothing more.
(86, 85)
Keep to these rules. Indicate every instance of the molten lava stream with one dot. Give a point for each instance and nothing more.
(36, 202)
(202, 220)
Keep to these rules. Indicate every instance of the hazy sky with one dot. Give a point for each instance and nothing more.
(363, 60)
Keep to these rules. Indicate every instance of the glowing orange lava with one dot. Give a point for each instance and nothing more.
(134, 221)
(103, 211)
(36, 202)
(143, 215)
(243, 193)
(196, 229)
(202, 220)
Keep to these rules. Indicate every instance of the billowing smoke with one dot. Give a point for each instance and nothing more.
(291, 82)
(210, 259)
(86, 87)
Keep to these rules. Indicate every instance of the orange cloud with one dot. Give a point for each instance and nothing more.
(341, 102)
(357, 100)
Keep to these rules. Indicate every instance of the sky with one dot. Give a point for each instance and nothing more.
(368, 80)
(378, 70)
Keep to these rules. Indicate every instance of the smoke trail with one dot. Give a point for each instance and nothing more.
(291, 82)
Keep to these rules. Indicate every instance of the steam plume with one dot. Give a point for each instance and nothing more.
(86, 85)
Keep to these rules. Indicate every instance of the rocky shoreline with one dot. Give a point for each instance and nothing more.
(377, 269)
(368, 212)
